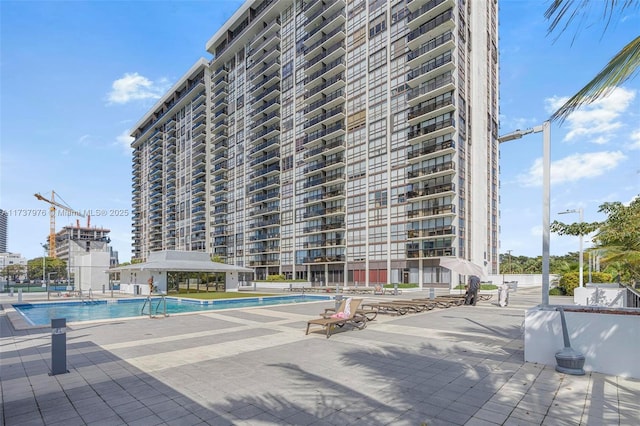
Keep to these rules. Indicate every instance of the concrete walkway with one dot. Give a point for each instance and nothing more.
(456, 366)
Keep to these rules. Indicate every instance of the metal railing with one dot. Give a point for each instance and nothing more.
(633, 296)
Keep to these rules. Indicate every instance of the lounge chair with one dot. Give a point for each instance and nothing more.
(440, 302)
(424, 305)
(369, 313)
(388, 307)
(349, 316)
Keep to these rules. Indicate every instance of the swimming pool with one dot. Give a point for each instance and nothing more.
(42, 313)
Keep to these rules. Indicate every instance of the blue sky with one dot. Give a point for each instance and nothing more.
(76, 76)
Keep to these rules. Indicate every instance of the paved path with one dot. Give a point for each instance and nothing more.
(456, 366)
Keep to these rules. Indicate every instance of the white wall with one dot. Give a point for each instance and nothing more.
(610, 296)
(610, 343)
(524, 280)
(137, 283)
(91, 271)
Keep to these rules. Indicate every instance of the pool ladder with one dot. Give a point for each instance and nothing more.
(149, 303)
(89, 298)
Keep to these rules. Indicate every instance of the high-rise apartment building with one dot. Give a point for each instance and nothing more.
(3, 231)
(335, 141)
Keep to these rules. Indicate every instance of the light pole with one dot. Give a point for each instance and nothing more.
(44, 249)
(580, 211)
(546, 195)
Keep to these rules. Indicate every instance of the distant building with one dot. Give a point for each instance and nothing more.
(8, 259)
(75, 241)
(113, 258)
(3, 231)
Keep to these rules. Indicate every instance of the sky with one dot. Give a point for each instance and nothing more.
(76, 76)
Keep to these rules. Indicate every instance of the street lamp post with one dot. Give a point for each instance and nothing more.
(44, 249)
(546, 195)
(580, 211)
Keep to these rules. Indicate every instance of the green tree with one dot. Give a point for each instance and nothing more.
(563, 14)
(56, 267)
(12, 272)
(617, 238)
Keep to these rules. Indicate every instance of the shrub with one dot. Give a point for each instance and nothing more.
(276, 277)
(601, 277)
(568, 282)
(402, 285)
(556, 291)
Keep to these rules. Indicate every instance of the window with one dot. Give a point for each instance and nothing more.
(378, 199)
(378, 25)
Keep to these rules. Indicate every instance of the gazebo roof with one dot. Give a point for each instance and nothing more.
(185, 261)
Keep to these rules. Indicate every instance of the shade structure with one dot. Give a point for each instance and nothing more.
(462, 266)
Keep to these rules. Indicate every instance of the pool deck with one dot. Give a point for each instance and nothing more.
(255, 366)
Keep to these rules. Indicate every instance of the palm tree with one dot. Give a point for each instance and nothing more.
(623, 65)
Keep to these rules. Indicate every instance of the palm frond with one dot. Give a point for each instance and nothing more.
(578, 12)
(624, 65)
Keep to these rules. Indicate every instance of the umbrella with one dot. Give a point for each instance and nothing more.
(462, 266)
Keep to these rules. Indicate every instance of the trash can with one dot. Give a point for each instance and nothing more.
(503, 294)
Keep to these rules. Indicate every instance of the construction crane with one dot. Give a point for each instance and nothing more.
(52, 219)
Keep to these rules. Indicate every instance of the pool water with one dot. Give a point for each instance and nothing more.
(42, 313)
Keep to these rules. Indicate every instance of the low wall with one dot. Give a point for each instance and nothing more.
(524, 280)
(609, 342)
(609, 295)
(275, 285)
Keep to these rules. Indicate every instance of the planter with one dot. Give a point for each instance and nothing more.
(608, 338)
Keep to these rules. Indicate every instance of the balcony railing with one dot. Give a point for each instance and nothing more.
(431, 128)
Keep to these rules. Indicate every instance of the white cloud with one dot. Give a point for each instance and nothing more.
(124, 140)
(598, 121)
(635, 140)
(89, 140)
(573, 167)
(133, 87)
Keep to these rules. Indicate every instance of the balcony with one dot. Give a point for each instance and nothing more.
(321, 119)
(329, 163)
(434, 87)
(437, 25)
(322, 196)
(419, 134)
(326, 56)
(430, 147)
(430, 170)
(430, 232)
(266, 171)
(435, 210)
(427, 191)
(334, 177)
(331, 131)
(326, 101)
(439, 65)
(329, 147)
(431, 49)
(428, 11)
(430, 109)
(326, 38)
(325, 21)
(336, 66)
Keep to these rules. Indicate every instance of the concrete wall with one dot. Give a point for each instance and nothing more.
(91, 271)
(610, 343)
(609, 295)
(137, 283)
(524, 280)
